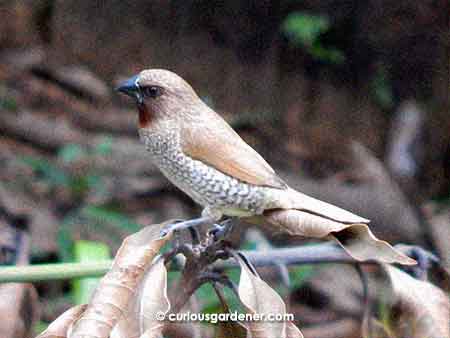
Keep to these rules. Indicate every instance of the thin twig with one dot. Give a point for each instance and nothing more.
(220, 295)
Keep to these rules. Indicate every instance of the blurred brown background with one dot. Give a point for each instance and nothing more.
(349, 100)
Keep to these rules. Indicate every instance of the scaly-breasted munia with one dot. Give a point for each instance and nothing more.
(203, 156)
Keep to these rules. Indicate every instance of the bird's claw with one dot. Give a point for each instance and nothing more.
(221, 230)
(187, 224)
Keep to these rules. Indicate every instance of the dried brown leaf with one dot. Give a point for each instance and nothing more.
(415, 308)
(153, 298)
(118, 287)
(356, 239)
(150, 301)
(19, 303)
(361, 244)
(60, 326)
(259, 298)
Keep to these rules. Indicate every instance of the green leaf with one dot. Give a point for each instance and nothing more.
(303, 28)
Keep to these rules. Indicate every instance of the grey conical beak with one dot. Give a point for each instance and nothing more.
(130, 87)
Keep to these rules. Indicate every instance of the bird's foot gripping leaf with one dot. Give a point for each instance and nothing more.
(219, 231)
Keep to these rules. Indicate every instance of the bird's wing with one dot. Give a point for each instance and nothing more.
(211, 140)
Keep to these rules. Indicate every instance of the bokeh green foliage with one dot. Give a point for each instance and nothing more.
(306, 30)
(81, 216)
(7, 101)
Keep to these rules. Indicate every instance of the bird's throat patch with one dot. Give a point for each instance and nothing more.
(145, 116)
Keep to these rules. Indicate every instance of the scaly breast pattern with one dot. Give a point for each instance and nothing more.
(203, 183)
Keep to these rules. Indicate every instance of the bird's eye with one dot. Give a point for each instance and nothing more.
(152, 91)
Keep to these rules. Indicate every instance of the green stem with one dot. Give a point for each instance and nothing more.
(41, 272)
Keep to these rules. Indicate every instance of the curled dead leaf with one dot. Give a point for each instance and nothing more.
(412, 308)
(361, 243)
(259, 298)
(117, 288)
(356, 239)
(150, 304)
(60, 326)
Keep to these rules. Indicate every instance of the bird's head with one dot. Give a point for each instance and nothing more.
(159, 94)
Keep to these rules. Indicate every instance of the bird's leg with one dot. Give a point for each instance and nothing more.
(221, 230)
(187, 224)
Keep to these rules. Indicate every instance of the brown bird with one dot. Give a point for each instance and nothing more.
(203, 156)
